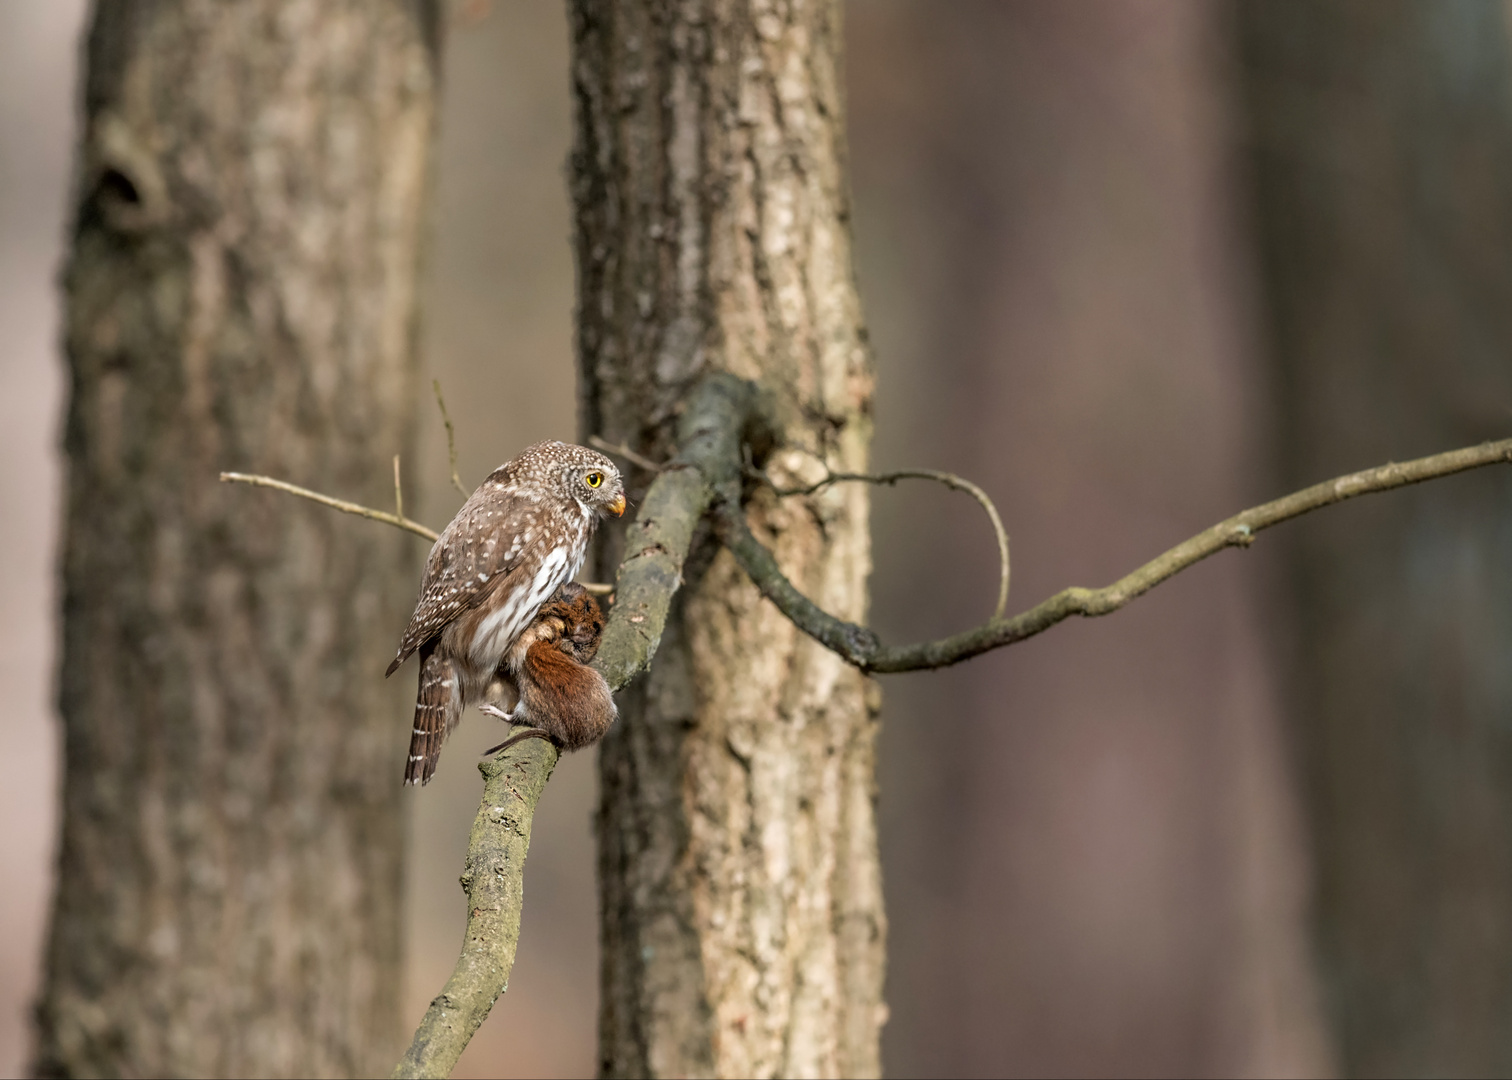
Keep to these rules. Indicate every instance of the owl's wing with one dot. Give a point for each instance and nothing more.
(487, 539)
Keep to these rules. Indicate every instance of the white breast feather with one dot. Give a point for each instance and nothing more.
(499, 629)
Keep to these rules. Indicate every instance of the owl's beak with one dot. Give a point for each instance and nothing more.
(617, 507)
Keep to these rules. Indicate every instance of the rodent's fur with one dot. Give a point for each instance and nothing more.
(548, 668)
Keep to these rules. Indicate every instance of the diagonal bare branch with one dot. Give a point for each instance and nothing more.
(451, 438)
(494, 877)
(397, 520)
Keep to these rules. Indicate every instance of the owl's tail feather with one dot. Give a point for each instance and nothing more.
(438, 708)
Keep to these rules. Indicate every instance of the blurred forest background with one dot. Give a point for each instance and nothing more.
(1131, 267)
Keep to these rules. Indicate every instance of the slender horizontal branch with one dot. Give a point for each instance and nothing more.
(396, 520)
(860, 647)
(494, 878)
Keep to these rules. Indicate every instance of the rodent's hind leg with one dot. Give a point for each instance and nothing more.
(493, 710)
(520, 736)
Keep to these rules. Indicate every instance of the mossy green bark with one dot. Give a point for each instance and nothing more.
(719, 411)
(494, 877)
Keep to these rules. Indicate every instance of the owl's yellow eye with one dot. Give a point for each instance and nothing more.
(594, 479)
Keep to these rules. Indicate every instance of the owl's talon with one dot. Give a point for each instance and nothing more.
(520, 736)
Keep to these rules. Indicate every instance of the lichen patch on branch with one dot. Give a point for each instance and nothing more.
(494, 877)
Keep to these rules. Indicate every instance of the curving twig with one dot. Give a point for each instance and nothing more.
(950, 480)
(397, 520)
(859, 646)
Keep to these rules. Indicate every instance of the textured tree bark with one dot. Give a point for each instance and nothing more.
(241, 294)
(1384, 173)
(742, 910)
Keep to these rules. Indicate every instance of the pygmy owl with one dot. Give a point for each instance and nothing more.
(566, 701)
(522, 534)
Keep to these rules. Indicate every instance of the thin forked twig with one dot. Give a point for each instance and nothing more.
(398, 491)
(623, 450)
(396, 520)
(451, 438)
(951, 481)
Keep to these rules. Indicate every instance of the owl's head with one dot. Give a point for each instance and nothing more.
(578, 473)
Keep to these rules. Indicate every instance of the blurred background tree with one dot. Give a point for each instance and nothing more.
(240, 293)
(1130, 267)
(1382, 165)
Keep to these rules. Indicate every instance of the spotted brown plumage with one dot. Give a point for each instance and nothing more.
(522, 534)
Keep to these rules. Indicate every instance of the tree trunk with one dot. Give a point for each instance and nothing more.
(241, 295)
(742, 910)
(1384, 174)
